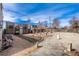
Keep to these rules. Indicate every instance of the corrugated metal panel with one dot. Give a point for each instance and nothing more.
(1, 15)
(1, 18)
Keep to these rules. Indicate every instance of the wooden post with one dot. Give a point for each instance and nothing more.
(69, 47)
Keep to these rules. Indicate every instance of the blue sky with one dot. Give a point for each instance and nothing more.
(18, 12)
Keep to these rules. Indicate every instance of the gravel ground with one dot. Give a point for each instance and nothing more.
(53, 46)
(18, 46)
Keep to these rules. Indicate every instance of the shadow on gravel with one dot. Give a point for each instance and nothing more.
(32, 40)
(18, 46)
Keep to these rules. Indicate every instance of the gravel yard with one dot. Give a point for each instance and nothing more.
(53, 46)
(18, 46)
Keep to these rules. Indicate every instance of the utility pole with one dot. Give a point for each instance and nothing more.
(50, 23)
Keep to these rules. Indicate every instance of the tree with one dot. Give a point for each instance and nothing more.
(74, 24)
(45, 23)
(39, 24)
(56, 23)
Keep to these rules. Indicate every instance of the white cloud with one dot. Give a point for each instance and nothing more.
(37, 16)
(9, 6)
(65, 22)
(8, 16)
(42, 16)
(77, 15)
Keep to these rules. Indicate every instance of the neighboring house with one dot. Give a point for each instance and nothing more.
(78, 27)
(28, 28)
(10, 27)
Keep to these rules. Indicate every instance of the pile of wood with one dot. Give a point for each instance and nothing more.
(38, 36)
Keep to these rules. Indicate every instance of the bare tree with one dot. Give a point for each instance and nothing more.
(74, 24)
(45, 23)
(56, 23)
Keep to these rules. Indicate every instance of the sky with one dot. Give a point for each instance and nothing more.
(35, 12)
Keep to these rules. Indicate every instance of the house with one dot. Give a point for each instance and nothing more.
(10, 27)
